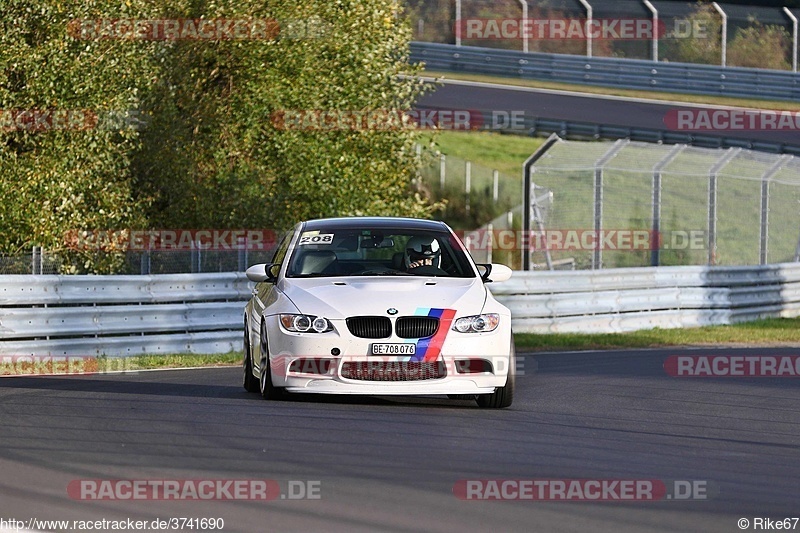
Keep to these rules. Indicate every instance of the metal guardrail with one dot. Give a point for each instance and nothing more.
(122, 315)
(202, 313)
(589, 130)
(635, 74)
(628, 299)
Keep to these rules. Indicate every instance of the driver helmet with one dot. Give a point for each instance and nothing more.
(423, 247)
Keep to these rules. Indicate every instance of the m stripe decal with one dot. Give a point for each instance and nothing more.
(430, 348)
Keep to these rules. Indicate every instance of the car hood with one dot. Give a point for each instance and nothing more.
(339, 298)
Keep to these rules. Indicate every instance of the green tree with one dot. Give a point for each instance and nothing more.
(760, 46)
(217, 156)
(56, 177)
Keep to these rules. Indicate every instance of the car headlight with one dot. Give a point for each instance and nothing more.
(477, 323)
(306, 323)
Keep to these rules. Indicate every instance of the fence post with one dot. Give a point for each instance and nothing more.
(467, 182)
(442, 170)
(724, 44)
(495, 185)
(196, 260)
(597, 256)
(242, 253)
(655, 240)
(36, 261)
(144, 263)
(712, 202)
(764, 234)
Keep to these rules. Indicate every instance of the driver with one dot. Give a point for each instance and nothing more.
(422, 251)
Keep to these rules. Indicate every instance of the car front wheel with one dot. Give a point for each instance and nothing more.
(249, 381)
(267, 389)
(502, 396)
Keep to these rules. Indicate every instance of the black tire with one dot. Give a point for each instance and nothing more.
(266, 388)
(502, 397)
(249, 381)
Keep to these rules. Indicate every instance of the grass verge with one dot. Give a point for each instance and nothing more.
(768, 332)
(150, 362)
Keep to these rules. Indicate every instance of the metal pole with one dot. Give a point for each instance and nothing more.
(458, 22)
(589, 19)
(468, 182)
(654, 11)
(712, 203)
(597, 257)
(537, 216)
(764, 234)
(36, 260)
(724, 16)
(490, 242)
(527, 195)
(495, 185)
(442, 169)
(794, 37)
(524, 25)
(655, 252)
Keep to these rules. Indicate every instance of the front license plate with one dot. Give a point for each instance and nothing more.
(402, 348)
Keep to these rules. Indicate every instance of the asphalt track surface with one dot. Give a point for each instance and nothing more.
(579, 107)
(390, 464)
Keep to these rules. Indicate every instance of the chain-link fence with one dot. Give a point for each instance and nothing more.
(691, 31)
(42, 261)
(638, 204)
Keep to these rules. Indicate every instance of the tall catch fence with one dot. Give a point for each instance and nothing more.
(624, 204)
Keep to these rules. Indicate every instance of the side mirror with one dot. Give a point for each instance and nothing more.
(262, 272)
(498, 272)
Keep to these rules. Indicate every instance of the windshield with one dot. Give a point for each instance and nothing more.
(385, 252)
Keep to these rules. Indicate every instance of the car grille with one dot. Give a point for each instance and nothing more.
(370, 327)
(393, 370)
(416, 327)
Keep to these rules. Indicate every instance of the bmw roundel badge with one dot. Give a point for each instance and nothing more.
(392, 311)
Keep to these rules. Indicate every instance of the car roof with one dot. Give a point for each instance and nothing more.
(375, 223)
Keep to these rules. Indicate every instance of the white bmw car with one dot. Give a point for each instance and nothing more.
(377, 306)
